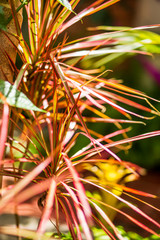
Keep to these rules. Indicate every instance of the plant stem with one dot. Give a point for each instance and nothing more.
(3, 138)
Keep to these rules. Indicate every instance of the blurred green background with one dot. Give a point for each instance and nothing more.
(139, 72)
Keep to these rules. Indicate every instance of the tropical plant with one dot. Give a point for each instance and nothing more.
(49, 104)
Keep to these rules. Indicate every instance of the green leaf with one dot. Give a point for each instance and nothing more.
(3, 22)
(15, 98)
(66, 4)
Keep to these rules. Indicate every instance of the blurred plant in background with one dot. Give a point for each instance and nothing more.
(51, 104)
(145, 78)
(99, 234)
(110, 175)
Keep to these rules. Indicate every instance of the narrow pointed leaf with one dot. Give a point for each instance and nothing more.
(23, 183)
(106, 218)
(80, 213)
(81, 192)
(48, 207)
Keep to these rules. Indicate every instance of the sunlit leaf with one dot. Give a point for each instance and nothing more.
(66, 4)
(15, 98)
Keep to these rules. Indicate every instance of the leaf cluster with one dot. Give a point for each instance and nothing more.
(50, 103)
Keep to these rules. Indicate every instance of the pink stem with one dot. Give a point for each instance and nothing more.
(4, 130)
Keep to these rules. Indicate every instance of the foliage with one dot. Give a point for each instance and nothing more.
(123, 39)
(50, 103)
(15, 98)
(99, 234)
